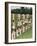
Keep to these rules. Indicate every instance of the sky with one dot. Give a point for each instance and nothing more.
(16, 7)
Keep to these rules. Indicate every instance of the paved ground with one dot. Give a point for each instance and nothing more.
(26, 35)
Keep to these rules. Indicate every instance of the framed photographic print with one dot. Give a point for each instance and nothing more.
(20, 22)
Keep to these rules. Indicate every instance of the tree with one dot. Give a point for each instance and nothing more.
(30, 11)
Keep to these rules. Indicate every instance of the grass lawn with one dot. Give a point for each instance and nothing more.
(25, 35)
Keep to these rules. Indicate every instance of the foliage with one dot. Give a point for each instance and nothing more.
(22, 10)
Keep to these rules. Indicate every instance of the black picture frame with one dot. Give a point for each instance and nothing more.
(6, 22)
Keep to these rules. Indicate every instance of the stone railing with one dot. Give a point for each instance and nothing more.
(22, 25)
